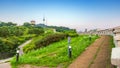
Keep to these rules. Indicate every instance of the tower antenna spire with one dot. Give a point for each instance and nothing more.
(44, 20)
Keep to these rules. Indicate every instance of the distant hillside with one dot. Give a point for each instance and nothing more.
(58, 28)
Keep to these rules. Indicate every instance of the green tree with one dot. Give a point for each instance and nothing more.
(11, 24)
(27, 24)
(4, 32)
(36, 31)
(7, 24)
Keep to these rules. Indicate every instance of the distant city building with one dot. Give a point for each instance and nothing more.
(85, 30)
(33, 22)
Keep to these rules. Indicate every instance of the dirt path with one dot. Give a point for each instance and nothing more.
(102, 60)
(96, 56)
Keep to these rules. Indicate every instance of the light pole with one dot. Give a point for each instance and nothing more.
(17, 54)
(90, 37)
(69, 48)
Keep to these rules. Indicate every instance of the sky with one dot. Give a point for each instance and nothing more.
(77, 14)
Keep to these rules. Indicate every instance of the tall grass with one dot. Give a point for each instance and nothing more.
(112, 45)
(55, 54)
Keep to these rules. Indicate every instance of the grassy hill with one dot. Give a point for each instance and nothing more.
(55, 54)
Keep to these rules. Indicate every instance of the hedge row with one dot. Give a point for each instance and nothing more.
(49, 39)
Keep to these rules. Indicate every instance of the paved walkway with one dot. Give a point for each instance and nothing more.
(21, 46)
(5, 62)
(97, 55)
(5, 65)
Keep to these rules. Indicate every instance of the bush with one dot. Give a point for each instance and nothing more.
(49, 39)
(73, 34)
(7, 31)
(8, 45)
(7, 48)
(37, 31)
(28, 48)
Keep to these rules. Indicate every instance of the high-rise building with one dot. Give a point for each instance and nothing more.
(85, 30)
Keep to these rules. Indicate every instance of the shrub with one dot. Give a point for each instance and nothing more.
(37, 31)
(7, 48)
(28, 48)
(8, 45)
(49, 39)
(73, 34)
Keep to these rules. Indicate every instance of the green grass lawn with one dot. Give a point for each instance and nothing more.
(55, 54)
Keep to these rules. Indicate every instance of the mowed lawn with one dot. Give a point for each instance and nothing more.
(55, 54)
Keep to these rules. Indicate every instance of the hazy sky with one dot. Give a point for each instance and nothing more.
(78, 14)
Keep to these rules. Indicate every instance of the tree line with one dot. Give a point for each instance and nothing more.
(11, 36)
